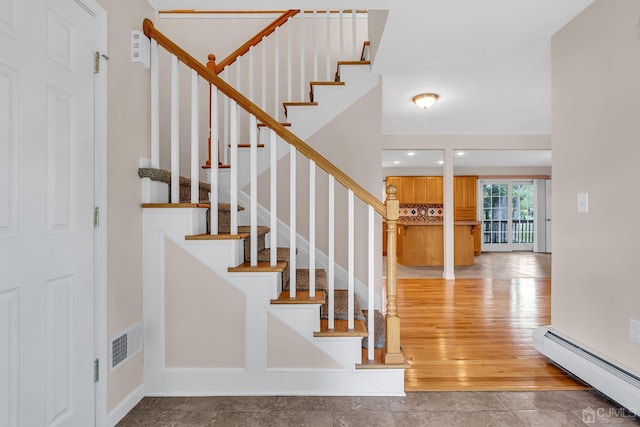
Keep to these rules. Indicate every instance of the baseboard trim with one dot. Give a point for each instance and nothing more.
(124, 407)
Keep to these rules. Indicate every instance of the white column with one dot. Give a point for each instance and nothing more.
(448, 215)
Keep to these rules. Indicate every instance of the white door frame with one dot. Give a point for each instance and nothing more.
(100, 195)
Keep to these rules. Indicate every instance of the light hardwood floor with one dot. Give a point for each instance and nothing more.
(475, 334)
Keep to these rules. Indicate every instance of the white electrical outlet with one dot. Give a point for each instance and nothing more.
(634, 331)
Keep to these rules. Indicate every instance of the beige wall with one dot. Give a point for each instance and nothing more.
(128, 139)
(596, 87)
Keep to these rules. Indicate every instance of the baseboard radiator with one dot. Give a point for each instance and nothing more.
(619, 384)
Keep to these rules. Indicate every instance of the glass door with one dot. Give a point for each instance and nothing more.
(507, 215)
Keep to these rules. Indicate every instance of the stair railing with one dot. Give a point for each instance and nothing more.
(255, 67)
(390, 212)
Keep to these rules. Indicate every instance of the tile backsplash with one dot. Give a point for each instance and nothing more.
(422, 212)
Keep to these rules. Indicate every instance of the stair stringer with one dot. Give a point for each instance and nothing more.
(252, 376)
(302, 259)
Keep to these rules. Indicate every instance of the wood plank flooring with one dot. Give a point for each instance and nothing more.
(475, 334)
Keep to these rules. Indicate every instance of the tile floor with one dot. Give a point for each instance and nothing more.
(468, 409)
(495, 265)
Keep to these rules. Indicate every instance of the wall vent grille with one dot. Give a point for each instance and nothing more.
(125, 345)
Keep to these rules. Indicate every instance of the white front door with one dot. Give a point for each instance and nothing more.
(47, 309)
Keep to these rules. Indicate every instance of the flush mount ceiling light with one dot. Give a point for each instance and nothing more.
(425, 100)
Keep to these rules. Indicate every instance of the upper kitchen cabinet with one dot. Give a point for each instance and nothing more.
(435, 190)
(464, 198)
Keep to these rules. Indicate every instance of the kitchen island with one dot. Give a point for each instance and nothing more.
(421, 243)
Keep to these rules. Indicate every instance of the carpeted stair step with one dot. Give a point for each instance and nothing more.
(378, 331)
(302, 280)
(163, 175)
(282, 255)
(224, 217)
(341, 307)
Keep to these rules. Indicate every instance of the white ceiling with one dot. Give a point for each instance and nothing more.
(466, 158)
(488, 60)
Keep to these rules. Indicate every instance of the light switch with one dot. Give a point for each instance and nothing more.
(583, 202)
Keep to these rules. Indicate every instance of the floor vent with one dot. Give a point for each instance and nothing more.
(125, 345)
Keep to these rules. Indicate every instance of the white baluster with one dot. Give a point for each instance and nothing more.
(302, 61)
(225, 120)
(155, 105)
(351, 260)
(213, 175)
(312, 229)
(315, 45)
(289, 62)
(328, 45)
(195, 136)
(233, 127)
(276, 79)
(175, 131)
(371, 284)
(274, 197)
(341, 29)
(238, 74)
(332, 251)
(251, 97)
(253, 142)
(353, 34)
(263, 104)
(292, 222)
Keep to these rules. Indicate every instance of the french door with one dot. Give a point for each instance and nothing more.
(508, 208)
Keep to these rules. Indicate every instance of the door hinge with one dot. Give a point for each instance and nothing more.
(96, 217)
(96, 61)
(96, 370)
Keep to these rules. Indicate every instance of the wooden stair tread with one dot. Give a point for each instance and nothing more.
(175, 205)
(248, 145)
(377, 362)
(262, 267)
(302, 297)
(220, 236)
(285, 124)
(329, 83)
(341, 329)
(354, 63)
(299, 104)
(219, 166)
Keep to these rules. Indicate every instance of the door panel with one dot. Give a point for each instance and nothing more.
(47, 313)
(507, 215)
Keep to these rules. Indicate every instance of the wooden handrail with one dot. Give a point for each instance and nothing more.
(288, 136)
(233, 56)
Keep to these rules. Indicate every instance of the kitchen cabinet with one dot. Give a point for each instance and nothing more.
(464, 198)
(435, 189)
(414, 189)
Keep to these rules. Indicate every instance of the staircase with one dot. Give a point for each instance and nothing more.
(227, 311)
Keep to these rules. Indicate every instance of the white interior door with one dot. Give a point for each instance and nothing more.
(47, 307)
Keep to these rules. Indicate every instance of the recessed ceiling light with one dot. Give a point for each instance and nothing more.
(411, 153)
(396, 162)
(460, 153)
(440, 162)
